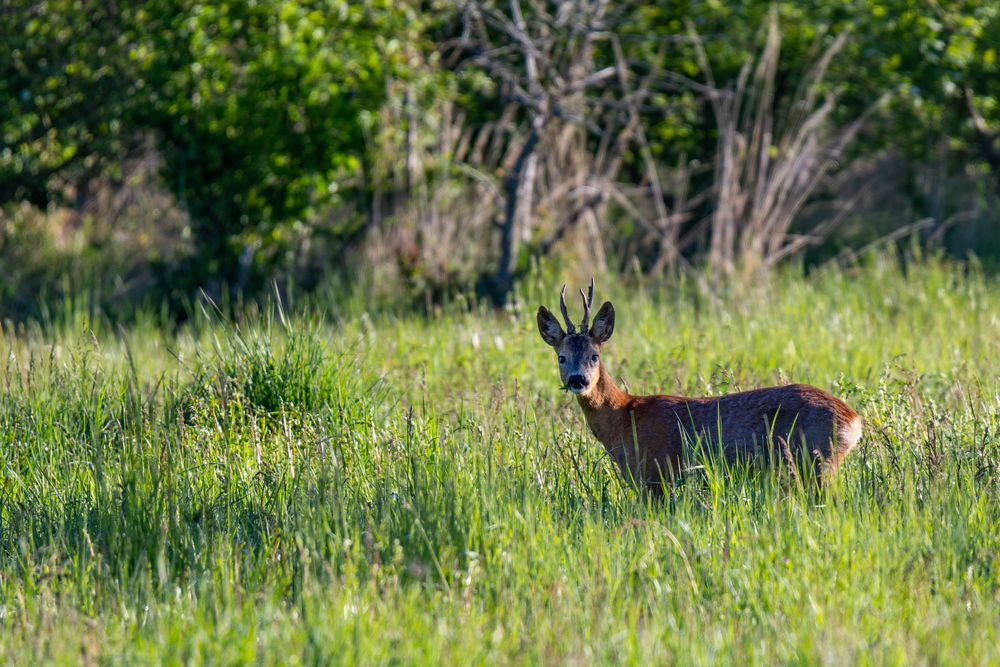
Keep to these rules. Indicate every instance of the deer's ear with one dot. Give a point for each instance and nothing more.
(604, 323)
(549, 327)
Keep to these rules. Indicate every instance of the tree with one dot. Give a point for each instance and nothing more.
(67, 89)
(260, 108)
(261, 112)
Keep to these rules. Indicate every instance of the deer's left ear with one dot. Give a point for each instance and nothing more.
(604, 323)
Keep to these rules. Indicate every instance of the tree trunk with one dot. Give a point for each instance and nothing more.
(519, 185)
(987, 140)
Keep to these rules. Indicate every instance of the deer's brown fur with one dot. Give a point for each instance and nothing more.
(647, 436)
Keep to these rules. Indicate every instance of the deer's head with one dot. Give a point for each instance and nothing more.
(579, 352)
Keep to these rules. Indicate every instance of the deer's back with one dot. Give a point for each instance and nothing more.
(746, 424)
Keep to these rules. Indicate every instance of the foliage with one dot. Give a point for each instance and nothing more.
(925, 55)
(440, 500)
(67, 89)
(945, 62)
(281, 121)
(264, 109)
(261, 110)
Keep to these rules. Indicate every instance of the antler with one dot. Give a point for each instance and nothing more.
(588, 301)
(562, 304)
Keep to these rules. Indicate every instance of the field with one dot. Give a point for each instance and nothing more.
(325, 484)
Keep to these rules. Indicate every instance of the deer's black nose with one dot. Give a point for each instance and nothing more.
(576, 382)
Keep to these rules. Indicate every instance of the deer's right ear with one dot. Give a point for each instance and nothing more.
(549, 327)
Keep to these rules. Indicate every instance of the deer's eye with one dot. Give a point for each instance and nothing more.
(593, 358)
(562, 359)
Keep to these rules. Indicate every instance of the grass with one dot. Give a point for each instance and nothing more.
(340, 486)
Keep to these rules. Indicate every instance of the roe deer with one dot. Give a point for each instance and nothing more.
(645, 435)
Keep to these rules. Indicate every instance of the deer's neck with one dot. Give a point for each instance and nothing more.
(604, 407)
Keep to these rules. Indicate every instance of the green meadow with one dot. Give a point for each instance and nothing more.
(336, 481)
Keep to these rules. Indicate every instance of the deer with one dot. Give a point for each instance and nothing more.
(646, 436)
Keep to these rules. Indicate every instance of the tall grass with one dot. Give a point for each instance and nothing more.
(374, 487)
